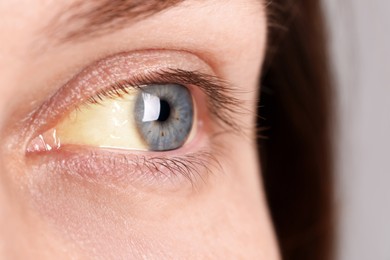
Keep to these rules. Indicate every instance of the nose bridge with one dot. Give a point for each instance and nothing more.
(15, 235)
(13, 231)
(11, 204)
(2, 222)
(4, 212)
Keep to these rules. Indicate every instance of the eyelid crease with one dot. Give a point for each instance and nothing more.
(220, 94)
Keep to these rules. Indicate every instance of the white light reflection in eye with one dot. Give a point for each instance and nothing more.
(152, 107)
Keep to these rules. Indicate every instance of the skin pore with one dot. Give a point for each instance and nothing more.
(88, 202)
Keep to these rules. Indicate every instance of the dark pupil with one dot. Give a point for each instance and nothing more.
(165, 111)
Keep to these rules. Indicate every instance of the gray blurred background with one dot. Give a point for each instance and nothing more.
(360, 43)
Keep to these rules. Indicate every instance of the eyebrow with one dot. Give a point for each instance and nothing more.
(84, 19)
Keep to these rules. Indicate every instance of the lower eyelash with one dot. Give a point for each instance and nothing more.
(119, 170)
(192, 166)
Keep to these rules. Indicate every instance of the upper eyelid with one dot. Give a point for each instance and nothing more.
(105, 72)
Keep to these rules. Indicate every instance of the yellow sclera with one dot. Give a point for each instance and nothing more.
(110, 124)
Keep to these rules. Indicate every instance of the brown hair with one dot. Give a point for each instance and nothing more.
(295, 149)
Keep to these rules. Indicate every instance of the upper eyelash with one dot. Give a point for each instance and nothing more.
(221, 100)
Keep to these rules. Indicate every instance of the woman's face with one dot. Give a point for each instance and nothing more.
(127, 130)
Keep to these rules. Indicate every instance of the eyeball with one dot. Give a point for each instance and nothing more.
(155, 117)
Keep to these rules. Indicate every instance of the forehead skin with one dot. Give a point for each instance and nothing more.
(44, 43)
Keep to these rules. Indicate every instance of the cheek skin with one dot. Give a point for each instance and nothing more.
(216, 222)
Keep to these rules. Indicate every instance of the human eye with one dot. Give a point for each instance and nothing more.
(153, 117)
(138, 118)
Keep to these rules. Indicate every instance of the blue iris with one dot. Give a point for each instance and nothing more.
(164, 116)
